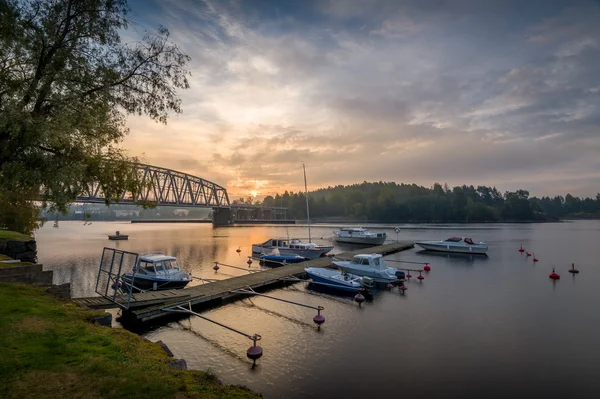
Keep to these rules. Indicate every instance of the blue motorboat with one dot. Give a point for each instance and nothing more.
(155, 272)
(337, 279)
(282, 259)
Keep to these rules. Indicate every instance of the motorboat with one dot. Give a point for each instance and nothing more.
(463, 245)
(359, 235)
(336, 279)
(155, 272)
(287, 247)
(118, 236)
(370, 265)
(276, 257)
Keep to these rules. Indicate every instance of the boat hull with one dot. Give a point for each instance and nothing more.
(305, 253)
(147, 284)
(458, 249)
(334, 284)
(281, 259)
(377, 276)
(119, 237)
(361, 240)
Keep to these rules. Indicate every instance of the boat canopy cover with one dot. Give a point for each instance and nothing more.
(469, 241)
(454, 239)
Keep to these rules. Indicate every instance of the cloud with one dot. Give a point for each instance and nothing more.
(501, 93)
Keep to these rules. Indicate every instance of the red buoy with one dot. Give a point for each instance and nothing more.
(402, 280)
(255, 352)
(427, 267)
(521, 249)
(420, 277)
(390, 286)
(408, 275)
(535, 259)
(359, 298)
(403, 288)
(238, 250)
(554, 275)
(249, 261)
(319, 319)
(527, 253)
(216, 266)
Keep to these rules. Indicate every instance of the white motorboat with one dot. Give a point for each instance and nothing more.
(463, 245)
(287, 247)
(359, 235)
(337, 279)
(370, 265)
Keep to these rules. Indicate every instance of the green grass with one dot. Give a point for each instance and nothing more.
(7, 235)
(51, 350)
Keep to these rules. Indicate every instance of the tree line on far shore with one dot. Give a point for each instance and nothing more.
(392, 202)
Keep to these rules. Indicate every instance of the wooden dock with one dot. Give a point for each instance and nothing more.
(148, 305)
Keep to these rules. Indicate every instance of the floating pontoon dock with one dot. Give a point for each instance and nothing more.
(149, 305)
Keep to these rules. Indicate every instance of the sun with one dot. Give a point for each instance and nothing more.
(254, 193)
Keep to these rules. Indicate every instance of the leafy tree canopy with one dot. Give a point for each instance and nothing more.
(67, 83)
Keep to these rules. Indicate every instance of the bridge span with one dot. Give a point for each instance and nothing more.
(167, 187)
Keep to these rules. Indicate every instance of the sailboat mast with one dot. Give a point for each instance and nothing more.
(306, 196)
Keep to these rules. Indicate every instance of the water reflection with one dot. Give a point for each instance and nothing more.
(475, 327)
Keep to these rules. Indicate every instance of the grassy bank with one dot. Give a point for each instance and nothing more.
(51, 350)
(7, 235)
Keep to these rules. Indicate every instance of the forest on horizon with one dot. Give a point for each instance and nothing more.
(392, 202)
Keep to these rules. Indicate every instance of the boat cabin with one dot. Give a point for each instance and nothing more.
(294, 243)
(157, 265)
(353, 229)
(459, 239)
(372, 260)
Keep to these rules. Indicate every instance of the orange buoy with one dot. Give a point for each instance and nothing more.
(572, 269)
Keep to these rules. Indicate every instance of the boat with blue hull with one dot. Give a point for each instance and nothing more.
(154, 273)
(337, 279)
(281, 259)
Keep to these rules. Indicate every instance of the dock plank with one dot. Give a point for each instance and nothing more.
(149, 305)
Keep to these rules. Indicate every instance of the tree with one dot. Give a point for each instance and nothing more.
(67, 84)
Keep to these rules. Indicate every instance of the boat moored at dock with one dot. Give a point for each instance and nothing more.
(287, 247)
(155, 272)
(339, 280)
(359, 235)
(370, 265)
(463, 245)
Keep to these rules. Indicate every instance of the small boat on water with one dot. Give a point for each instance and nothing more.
(463, 245)
(370, 265)
(359, 235)
(337, 279)
(118, 236)
(155, 272)
(276, 257)
(287, 247)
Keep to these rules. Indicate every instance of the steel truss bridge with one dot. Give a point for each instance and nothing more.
(166, 187)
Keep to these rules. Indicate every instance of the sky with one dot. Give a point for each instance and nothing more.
(501, 93)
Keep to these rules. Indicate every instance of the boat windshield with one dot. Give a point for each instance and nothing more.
(146, 267)
(171, 264)
(469, 241)
(159, 267)
(454, 239)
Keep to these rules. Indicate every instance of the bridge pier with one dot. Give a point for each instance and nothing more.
(222, 217)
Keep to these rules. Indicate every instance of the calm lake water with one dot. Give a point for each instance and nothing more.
(475, 327)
